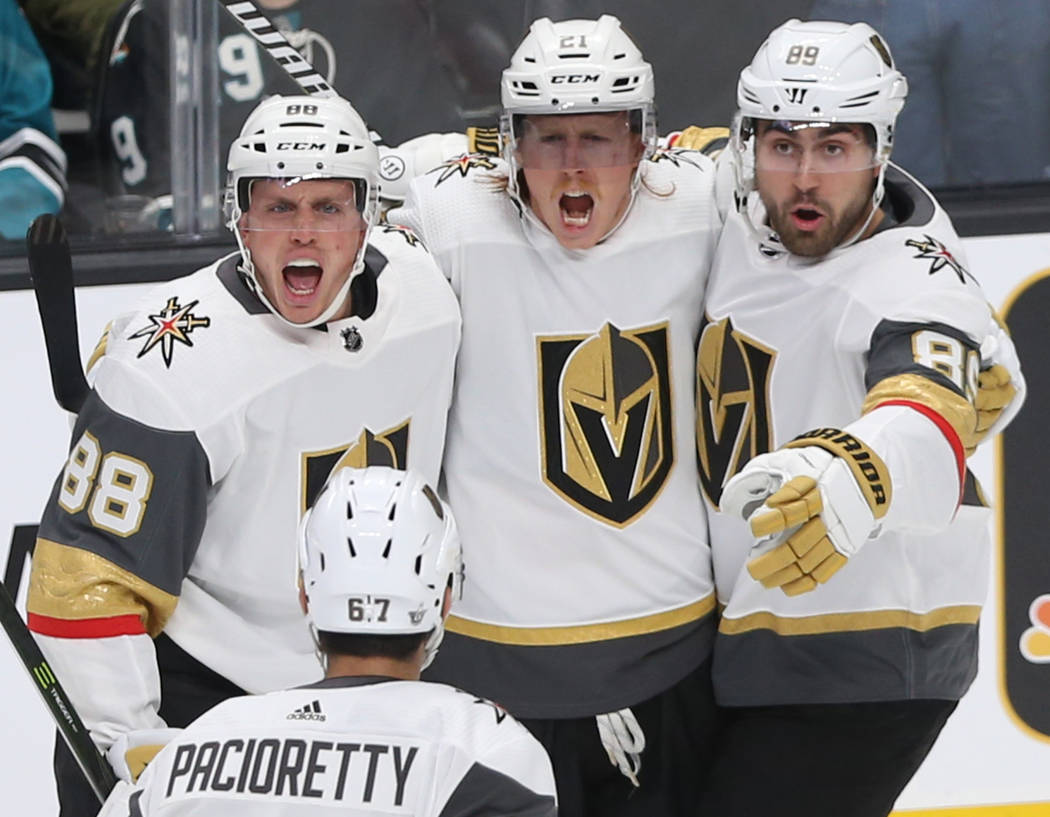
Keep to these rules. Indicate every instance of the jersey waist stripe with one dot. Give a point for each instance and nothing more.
(581, 634)
(947, 430)
(87, 627)
(852, 622)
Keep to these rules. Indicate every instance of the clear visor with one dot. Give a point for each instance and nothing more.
(578, 141)
(303, 204)
(812, 147)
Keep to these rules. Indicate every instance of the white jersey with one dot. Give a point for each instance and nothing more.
(570, 460)
(211, 427)
(792, 344)
(360, 747)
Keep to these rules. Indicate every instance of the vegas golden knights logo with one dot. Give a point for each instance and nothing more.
(388, 448)
(732, 403)
(605, 419)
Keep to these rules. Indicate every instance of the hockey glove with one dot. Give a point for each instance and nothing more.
(706, 140)
(624, 741)
(811, 505)
(398, 166)
(131, 752)
(1001, 385)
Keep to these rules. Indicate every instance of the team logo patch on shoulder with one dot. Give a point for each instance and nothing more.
(173, 323)
(676, 156)
(605, 419)
(933, 250)
(397, 229)
(461, 165)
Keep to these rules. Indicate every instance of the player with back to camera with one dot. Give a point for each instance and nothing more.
(580, 260)
(848, 364)
(217, 410)
(379, 565)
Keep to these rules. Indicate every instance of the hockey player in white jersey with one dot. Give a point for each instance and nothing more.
(217, 411)
(379, 562)
(838, 375)
(580, 260)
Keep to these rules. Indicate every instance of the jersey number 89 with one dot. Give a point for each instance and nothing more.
(114, 487)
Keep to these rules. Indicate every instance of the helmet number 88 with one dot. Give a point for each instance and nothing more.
(114, 487)
(797, 55)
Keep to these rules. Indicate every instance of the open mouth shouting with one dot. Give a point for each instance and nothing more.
(302, 277)
(576, 209)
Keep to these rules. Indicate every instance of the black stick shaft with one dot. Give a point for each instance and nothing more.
(96, 769)
(51, 270)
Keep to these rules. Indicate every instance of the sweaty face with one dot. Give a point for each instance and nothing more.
(303, 238)
(816, 184)
(579, 169)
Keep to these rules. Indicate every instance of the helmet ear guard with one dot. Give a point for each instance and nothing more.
(302, 138)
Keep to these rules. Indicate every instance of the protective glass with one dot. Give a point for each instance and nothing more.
(302, 204)
(812, 147)
(577, 141)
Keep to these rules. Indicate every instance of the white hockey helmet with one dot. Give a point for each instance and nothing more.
(376, 552)
(299, 138)
(816, 74)
(576, 67)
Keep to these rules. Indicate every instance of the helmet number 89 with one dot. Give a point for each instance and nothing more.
(114, 487)
(797, 55)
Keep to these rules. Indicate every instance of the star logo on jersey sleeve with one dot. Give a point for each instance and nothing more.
(173, 323)
(941, 256)
(406, 233)
(461, 165)
(676, 156)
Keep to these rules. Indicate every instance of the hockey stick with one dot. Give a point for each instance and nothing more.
(284, 54)
(51, 271)
(96, 770)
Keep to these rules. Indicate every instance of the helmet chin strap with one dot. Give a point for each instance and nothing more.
(876, 200)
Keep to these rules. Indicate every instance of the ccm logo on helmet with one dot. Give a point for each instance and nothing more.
(574, 79)
(301, 146)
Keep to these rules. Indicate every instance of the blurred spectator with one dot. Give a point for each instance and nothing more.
(979, 85)
(70, 32)
(32, 165)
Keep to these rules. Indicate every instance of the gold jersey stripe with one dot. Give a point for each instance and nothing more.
(580, 634)
(957, 411)
(74, 584)
(1003, 810)
(852, 622)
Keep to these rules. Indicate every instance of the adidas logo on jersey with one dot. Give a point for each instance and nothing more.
(310, 712)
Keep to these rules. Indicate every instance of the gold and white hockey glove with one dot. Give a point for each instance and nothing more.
(624, 741)
(132, 751)
(1001, 385)
(811, 505)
